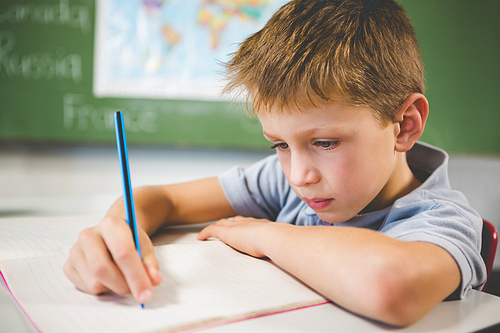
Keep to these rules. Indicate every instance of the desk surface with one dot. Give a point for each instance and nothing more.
(477, 311)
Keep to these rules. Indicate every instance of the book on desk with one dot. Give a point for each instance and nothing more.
(204, 283)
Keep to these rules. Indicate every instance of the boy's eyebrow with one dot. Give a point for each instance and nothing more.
(267, 136)
(335, 131)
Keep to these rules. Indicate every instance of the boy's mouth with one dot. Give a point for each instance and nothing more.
(318, 203)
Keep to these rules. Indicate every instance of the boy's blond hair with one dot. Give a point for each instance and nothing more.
(310, 50)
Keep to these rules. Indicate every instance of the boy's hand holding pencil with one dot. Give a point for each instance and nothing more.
(105, 259)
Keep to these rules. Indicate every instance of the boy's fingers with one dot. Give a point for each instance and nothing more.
(207, 232)
(154, 273)
(118, 238)
(73, 276)
(100, 267)
(75, 268)
(213, 230)
(149, 259)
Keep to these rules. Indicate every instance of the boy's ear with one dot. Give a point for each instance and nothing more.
(410, 121)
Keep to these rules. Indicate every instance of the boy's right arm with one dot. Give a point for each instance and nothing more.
(105, 259)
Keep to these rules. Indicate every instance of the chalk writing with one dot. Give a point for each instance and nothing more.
(61, 14)
(83, 116)
(37, 65)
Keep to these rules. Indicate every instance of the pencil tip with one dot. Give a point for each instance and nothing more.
(142, 306)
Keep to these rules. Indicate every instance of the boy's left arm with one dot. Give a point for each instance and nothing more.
(364, 271)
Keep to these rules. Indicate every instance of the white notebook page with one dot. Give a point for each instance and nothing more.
(40, 236)
(204, 283)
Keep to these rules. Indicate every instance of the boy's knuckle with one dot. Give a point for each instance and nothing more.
(85, 235)
(94, 287)
(109, 224)
(112, 221)
(68, 269)
(122, 254)
(73, 252)
(99, 269)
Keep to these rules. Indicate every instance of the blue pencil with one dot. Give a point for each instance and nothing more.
(128, 197)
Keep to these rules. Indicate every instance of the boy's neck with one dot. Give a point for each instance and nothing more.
(401, 183)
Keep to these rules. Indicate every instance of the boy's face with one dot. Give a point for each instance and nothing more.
(336, 157)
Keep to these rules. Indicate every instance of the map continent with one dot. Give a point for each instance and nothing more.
(171, 48)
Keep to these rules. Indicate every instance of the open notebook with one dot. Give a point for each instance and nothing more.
(204, 283)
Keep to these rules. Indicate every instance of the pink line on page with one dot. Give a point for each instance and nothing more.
(200, 328)
(19, 305)
(186, 330)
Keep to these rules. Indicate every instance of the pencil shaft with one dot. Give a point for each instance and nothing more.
(125, 171)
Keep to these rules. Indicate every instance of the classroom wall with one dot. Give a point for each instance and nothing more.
(460, 44)
(49, 79)
(47, 72)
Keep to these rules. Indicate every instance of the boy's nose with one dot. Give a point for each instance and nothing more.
(303, 171)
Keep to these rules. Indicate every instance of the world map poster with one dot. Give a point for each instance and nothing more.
(171, 49)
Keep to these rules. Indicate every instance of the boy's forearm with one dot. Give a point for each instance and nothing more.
(191, 202)
(150, 209)
(364, 271)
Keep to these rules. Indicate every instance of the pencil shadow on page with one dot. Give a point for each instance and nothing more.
(163, 295)
(123, 300)
(167, 293)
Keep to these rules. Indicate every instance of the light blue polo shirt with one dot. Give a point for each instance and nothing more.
(431, 213)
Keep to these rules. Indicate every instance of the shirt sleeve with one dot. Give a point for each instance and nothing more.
(259, 190)
(453, 227)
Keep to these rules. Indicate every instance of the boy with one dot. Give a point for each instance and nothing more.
(338, 88)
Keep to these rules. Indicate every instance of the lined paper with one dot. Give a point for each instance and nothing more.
(203, 283)
(44, 236)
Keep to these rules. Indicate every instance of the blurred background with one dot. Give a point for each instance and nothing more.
(67, 65)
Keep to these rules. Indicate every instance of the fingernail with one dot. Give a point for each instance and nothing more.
(145, 296)
(156, 273)
(153, 271)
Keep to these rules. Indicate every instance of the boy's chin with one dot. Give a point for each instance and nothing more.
(333, 218)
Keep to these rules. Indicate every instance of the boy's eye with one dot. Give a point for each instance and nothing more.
(280, 146)
(326, 144)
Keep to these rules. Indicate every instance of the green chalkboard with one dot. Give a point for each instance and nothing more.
(47, 66)
(46, 88)
(460, 43)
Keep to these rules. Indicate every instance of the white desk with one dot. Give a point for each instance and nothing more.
(479, 310)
